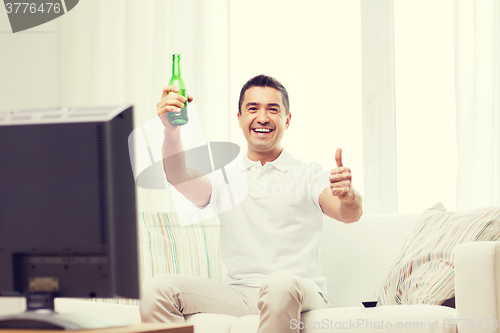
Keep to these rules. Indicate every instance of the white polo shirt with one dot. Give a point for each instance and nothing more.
(275, 222)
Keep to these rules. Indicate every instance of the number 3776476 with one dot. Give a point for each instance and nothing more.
(26, 7)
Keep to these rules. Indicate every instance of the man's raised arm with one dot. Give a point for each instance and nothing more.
(194, 186)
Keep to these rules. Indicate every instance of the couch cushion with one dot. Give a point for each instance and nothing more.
(357, 256)
(125, 313)
(423, 272)
(246, 324)
(407, 319)
(391, 318)
(211, 323)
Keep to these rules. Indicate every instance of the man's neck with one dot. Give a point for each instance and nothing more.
(264, 157)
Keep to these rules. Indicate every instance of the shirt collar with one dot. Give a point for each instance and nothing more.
(282, 163)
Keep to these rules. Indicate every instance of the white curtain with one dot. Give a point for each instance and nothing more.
(477, 95)
(120, 51)
(379, 117)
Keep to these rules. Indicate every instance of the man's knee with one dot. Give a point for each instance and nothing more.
(158, 289)
(280, 288)
(280, 282)
(160, 285)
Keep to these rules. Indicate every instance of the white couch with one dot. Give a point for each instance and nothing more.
(356, 259)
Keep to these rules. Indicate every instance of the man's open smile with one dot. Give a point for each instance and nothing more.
(262, 130)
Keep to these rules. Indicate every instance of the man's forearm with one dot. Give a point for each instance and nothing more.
(174, 160)
(196, 187)
(351, 211)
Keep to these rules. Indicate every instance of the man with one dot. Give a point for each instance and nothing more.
(270, 237)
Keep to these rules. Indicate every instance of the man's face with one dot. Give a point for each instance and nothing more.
(263, 119)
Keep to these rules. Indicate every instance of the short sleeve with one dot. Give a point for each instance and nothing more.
(216, 202)
(319, 181)
(227, 190)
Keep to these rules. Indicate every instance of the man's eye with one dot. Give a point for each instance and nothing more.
(252, 109)
(273, 110)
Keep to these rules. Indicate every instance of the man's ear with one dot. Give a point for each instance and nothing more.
(288, 118)
(239, 119)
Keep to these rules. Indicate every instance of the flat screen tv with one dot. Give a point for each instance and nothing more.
(67, 210)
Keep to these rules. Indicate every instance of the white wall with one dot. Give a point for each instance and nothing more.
(29, 66)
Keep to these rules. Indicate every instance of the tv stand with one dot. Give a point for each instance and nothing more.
(40, 314)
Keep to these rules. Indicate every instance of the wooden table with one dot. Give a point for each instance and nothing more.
(134, 328)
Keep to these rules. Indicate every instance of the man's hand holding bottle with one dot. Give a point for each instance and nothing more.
(170, 103)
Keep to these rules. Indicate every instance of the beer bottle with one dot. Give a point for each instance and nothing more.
(178, 118)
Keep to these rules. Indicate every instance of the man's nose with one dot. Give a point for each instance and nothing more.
(262, 116)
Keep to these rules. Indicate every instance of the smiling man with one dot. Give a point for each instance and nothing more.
(270, 239)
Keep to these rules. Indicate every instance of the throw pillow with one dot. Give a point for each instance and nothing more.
(423, 272)
(172, 243)
(169, 245)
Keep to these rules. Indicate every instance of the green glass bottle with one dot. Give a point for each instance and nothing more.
(178, 118)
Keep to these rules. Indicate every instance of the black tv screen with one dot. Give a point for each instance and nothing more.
(68, 203)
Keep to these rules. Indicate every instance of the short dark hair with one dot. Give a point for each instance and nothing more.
(265, 81)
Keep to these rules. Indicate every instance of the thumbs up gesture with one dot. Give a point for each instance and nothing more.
(340, 180)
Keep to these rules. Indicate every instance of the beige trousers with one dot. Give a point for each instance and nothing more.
(280, 299)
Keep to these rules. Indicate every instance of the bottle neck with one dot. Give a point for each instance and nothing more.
(176, 66)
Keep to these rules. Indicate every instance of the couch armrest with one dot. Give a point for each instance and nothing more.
(477, 286)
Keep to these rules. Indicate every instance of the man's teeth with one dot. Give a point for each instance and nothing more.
(262, 130)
